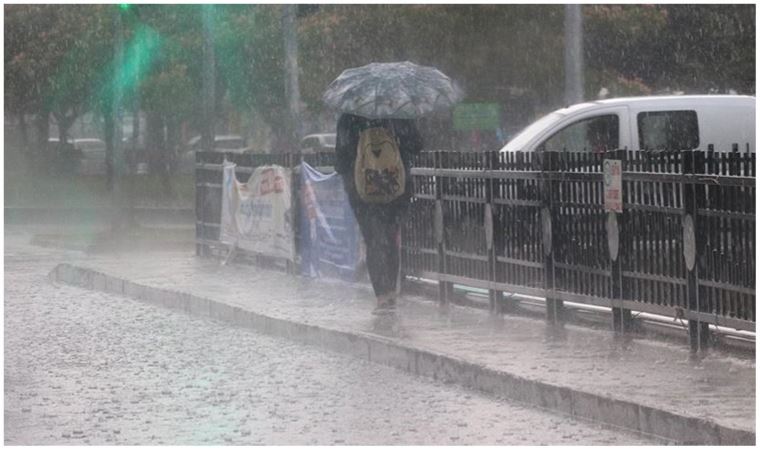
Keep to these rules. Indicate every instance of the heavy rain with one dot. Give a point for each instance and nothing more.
(379, 224)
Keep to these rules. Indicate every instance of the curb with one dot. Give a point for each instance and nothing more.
(618, 413)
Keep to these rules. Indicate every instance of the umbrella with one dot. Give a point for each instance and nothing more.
(397, 90)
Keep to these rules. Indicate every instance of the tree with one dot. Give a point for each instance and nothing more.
(511, 55)
(250, 57)
(711, 46)
(165, 48)
(54, 55)
(694, 48)
(507, 54)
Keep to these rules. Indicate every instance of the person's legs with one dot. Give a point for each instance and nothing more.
(374, 239)
(379, 232)
(380, 228)
(386, 259)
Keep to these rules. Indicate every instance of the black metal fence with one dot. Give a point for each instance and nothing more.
(535, 224)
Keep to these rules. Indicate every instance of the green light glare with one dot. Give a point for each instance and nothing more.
(138, 57)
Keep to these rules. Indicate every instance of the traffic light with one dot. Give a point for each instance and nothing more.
(130, 13)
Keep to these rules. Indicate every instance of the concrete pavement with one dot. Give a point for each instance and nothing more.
(643, 385)
(93, 368)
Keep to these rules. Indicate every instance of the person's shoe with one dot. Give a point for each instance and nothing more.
(385, 305)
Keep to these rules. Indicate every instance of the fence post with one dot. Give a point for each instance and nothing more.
(495, 297)
(198, 207)
(290, 265)
(693, 164)
(201, 248)
(443, 286)
(549, 165)
(621, 317)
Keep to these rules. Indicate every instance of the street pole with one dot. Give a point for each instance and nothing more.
(573, 54)
(116, 137)
(209, 79)
(208, 132)
(292, 90)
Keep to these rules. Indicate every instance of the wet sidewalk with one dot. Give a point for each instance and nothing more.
(647, 385)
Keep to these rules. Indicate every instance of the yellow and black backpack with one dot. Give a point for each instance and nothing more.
(379, 171)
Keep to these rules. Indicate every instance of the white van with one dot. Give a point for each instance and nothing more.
(685, 122)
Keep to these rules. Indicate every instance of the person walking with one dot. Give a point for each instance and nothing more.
(373, 157)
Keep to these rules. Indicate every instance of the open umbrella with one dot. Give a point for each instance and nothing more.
(398, 90)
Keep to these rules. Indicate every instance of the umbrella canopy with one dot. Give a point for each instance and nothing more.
(398, 90)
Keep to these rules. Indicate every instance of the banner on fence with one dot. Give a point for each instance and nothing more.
(257, 215)
(330, 238)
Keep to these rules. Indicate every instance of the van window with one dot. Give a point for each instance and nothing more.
(594, 134)
(229, 144)
(668, 130)
(309, 143)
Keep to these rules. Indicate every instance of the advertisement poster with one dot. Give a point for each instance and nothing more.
(257, 215)
(330, 237)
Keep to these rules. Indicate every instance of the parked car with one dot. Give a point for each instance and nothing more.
(224, 143)
(93, 156)
(688, 122)
(84, 156)
(315, 143)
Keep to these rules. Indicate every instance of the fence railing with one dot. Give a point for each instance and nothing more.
(535, 224)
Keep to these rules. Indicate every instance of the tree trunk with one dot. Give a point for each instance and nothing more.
(64, 125)
(154, 141)
(38, 158)
(173, 134)
(24, 132)
(292, 90)
(173, 129)
(135, 129)
(108, 132)
(43, 130)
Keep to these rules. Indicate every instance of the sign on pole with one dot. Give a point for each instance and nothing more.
(613, 185)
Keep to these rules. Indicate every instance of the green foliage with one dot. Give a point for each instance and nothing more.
(622, 40)
(173, 47)
(251, 59)
(58, 56)
(712, 46)
(688, 47)
(492, 50)
(54, 55)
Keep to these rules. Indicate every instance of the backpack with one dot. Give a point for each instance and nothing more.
(379, 173)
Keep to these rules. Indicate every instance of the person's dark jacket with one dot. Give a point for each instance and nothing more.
(347, 139)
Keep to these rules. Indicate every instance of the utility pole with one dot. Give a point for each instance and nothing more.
(292, 90)
(573, 54)
(209, 79)
(117, 154)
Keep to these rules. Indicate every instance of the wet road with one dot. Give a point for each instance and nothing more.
(93, 368)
